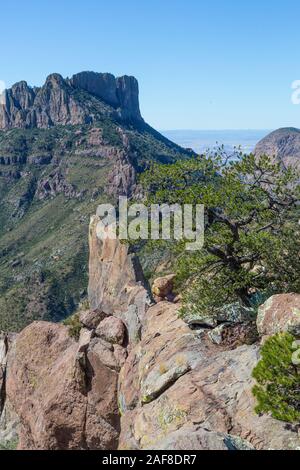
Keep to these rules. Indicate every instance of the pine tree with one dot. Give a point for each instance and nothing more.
(278, 380)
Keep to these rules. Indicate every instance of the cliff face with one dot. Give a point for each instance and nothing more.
(138, 377)
(65, 102)
(122, 93)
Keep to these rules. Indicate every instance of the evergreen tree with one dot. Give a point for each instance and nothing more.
(252, 241)
(278, 380)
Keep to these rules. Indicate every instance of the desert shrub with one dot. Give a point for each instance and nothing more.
(9, 445)
(84, 304)
(278, 380)
(74, 325)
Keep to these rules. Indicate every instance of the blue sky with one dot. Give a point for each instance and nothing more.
(200, 64)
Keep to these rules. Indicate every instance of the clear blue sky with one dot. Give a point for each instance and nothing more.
(200, 64)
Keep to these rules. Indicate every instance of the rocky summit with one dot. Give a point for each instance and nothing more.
(65, 148)
(83, 99)
(283, 145)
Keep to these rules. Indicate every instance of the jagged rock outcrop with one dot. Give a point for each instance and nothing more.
(176, 384)
(279, 313)
(138, 377)
(162, 288)
(123, 176)
(62, 101)
(64, 392)
(282, 145)
(121, 93)
(116, 281)
(55, 183)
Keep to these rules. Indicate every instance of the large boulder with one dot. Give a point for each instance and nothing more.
(64, 393)
(234, 313)
(91, 318)
(112, 329)
(280, 313)
(176, 383)
(162, 287)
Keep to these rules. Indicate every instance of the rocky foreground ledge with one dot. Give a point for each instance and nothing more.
(139, 377)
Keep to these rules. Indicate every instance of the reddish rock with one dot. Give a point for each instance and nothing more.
(63, 393)
(163, 286)
(120, 354)
(279, 313)
(158, 299)
(91, 318)
(116, 280)
(282, 146)
(111, 329)
(176, 384)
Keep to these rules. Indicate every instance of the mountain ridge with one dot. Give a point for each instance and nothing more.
(62, 101)
(282, 145)
(53, 176)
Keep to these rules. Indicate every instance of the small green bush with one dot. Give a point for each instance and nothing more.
(84, 304)
(278, 380)
(74, 325)
(9, 445)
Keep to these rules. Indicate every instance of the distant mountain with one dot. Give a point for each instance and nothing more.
(283, 145)
(202, 140)
(64, 148)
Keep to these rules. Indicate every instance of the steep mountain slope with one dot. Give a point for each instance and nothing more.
(282, 144)
(64, 148)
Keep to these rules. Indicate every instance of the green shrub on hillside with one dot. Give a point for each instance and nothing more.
(9, 445)
(278, 380)
(74, 325)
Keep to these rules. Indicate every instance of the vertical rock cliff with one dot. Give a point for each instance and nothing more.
(63, 101)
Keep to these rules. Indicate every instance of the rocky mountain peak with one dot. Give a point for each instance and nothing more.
(84, 98)
(55, 78)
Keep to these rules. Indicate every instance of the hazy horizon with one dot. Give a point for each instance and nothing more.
(215, 129)
(201, 140)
